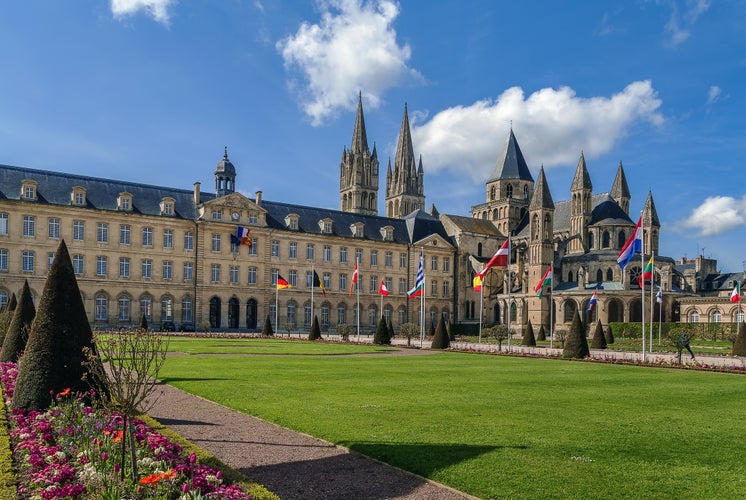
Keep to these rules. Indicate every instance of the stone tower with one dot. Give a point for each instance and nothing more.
(540, 247)
(508, 189)
(580, 210)
(358, 172)
(225, 176)
(405, 186)
(620, 189)
(651, 226)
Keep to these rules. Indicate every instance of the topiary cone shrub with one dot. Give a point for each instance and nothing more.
(431, 330)
(451, 329)
(315, 332)
(381, 337)
(739, 347)
(440, 338)
(599, 340)
(576, 345)
(6, 315)
(391, 331)
(18, 330)
(528, 336)
(54, 357)
(541, 335)
(267, 330)
(609, 336)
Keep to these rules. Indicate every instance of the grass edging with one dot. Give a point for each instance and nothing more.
(230, 475)
(8, 478)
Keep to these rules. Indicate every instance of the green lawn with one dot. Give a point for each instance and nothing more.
(499, 426)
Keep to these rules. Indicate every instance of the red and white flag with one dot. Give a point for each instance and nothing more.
(500, 259)
(354, 278)
(382, 289)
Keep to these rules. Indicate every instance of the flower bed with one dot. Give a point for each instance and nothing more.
(73, 451)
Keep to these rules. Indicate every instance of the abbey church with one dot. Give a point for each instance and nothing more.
(213, 260)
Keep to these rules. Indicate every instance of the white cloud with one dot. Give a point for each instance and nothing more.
(713, 95)
(353, 48)
(157, 9)
(717, 214)
(680, 23)
(552, 127)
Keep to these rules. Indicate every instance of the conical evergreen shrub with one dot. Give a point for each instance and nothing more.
(599, 340)
(739, 347)
(451, 328)
(528, 335)
(391, 331)
(267, 329)
(609, 336)
(54, 356)
(541, 335)
(440, 339)
(143, 323)
(381, 336)
(576, 345)
(18, 330)
(315, 332)
(431, 330)
(6, 315)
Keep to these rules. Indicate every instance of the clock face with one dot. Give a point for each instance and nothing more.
(235, 215)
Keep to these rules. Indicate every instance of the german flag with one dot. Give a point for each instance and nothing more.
(281, 283)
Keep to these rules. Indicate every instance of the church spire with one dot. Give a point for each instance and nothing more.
(620, 189)
(358, 172)
(542, 198)
(359, 142)
(405, 190)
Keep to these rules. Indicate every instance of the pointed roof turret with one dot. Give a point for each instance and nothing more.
(359, 137)
(582, 179)
(404, 150)
(510, 163)
(541, 198)
(620, 188)
(651, 214)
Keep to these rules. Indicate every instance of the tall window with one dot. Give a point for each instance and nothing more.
(29, 225)
(234, 274)
(186, 310)
(102, 307)
(27, 261)
(374, 257)
(78, 230)
(694, 317)
(188, 274)
(215, 274)
(124, 234)
(102, 265)
(373, 283)
(78, 264)
(341, 314)
(102, 232)
(167, 309)
(343, 281)
(291, 313)
(188, 240)
(3, 259)
(252, 250)
(307, 314)
(402, 260)
(124, 267)
(310, 252)
(275, 248)
(167, 270)
(446, 289)
(434, 288)
(147, 268)
(446, 264)
(3, 223)
(389, 259)
(146, 307)
(358, 255)
(343, 255)
(293, 249)
(433, 263)
(168, 238)
(252, 276)
(325, 315)
(293, 277)
(147, 236)
(124, 308)
(54, 227)
(215, 242)
(50, 259)
(327, 253)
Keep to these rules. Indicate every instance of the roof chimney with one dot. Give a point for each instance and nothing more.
(196, 193)
(258, 199)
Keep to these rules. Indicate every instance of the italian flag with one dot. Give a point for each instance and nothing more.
(735, 295)
(546, 280)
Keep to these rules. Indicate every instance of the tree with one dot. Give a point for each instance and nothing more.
(143, 323)
(441, 339)
(599, 340)
(409, 330)
(576, 345)
(267, 330)
(343, 330)
(679, 338)
(499, 333)
(541, 335)
(54, 357)
(6, 315)
(381, 337)
(528, 336)
(315, 332)
(18, 330)
(739, 347)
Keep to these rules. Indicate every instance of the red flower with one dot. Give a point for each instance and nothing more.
(151, 479)
(117, 436)
(64, 393)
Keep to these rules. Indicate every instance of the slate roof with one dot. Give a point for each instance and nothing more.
(475, 226)
(511, 164)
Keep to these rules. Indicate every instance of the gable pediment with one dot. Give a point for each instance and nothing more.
(234, 201)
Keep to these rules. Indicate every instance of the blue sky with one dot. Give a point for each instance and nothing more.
(152, 90)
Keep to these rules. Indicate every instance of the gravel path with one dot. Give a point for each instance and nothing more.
(288, 463)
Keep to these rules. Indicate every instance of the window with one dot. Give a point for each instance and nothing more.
(27, 259)
(234, 274)
(402, 316)
(373, 283)
(147, 236)
(433, 263)
(402, 260)
(215, 242)
(29, 226)
(372, 316)
(102, 232)
(343, 281)
(215, 274)
(252, 276)
(78, 198)
(78, 264)
(309, 279)
(124, 308)
(168, 208)
(188, 274)
(327, 253)
(29, 192)
(341, 314)
(327, 227)
(434, 288)
(402, 285)
(125, 203)
(343, 255)
(146, 307)
(188, 240)
(186, 310)
(291, 313)
(274, 274)
(694, 317)
(253, 218)
(54, 227)
(327, 280)
(358, 255)
(124, 234)
(446, 264)
(3, 223)
(124, 267)
(3, 259)
(325, 315)
(147, 268)
(217, 215)
(446, 289)
(293, 277)
(310, 252)
(167, 309)
(78, 230)
(389, 259)
(275, 248)
(252, 249)
(374, 257)
(3, 298)
(293, 224)
(293, 249)
(102, 265)
(167, 270)
(168, 238)
(50, 259)
(102, 307)
(307, 314)
(716, 317)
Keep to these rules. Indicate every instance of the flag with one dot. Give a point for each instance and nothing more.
(281, 283)
(500, 259)
(477, 283)
(735, 295)
(545, 280)
(242, 236)
(659, 295)
(419, 283)
(634, 244)
(318, 283)
(592, 302)
(354, 278)
(382, 288)
(647, 273)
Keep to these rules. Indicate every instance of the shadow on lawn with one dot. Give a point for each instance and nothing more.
(170, 380)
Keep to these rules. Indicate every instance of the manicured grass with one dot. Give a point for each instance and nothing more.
(499, 426)
(266, 346)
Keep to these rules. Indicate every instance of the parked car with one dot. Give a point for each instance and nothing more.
(168, 326)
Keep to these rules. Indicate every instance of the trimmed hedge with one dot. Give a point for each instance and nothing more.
(707, 331)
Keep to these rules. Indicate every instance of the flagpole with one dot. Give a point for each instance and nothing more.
(357, 285)
(652, 312)
(481, 307)
(313, 270)
(551, 302)
(660, 313)
(642, 301)
(509, 287)
(422, 298)
(277, 307)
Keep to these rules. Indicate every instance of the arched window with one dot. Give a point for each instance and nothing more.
(525, 192)
(622, 239)
(291, 313)
(694, 317)
(570, 309)
(590, 240)
(569, 276)
(716, 316)
(186, 310)
(372, 316)
(124, 308)
(102, 307)
(547, 224)
(599, 275)
(341, 314)
(492, 193)
(167, 309)
(509, 191)
(513, 312)
(609, 274)
(605, 240)
(479, 249)
(535, 227)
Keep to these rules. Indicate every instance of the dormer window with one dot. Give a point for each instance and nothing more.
(217, 215)
(291, 221)
(358, 229)
(387, 233)
(325, 225)
(77, 196)
(28, 189)
(253, 219)
(124, 202)
(167, 206)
